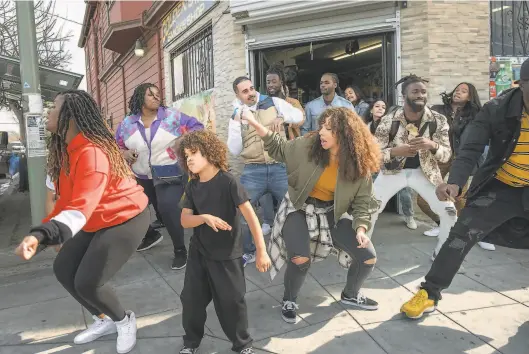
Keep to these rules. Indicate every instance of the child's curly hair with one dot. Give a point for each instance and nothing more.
(209, 145)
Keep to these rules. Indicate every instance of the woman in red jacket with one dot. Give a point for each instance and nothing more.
(99, 218)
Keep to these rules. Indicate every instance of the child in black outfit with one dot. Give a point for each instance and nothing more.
(214, 266)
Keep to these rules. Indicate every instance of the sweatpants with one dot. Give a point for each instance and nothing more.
(89, 260)
(387, 185)
(168, 196)
(498, 214)
(296, 236)
(150, 191)
(224, 283)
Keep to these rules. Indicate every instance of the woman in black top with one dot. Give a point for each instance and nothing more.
(460, 107)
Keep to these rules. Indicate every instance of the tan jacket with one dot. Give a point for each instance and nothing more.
(253, 150)
(429, 161)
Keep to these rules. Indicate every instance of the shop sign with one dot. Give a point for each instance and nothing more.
(183, 16)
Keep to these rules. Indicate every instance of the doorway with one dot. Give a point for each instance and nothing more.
(367, 62)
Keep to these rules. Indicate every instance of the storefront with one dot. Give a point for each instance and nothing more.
(509, 46)
(355, 39)
(203, 54)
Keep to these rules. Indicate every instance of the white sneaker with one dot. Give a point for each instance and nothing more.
(487, 246)
(434, 232)
(266, 229)
(410, 223)
(101, 327)
(126, 333)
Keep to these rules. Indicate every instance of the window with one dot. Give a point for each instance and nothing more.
(509, 28)
(192, 65)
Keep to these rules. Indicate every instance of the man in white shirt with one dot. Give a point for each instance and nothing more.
(261, 174)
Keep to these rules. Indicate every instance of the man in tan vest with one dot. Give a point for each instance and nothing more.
(261, 174)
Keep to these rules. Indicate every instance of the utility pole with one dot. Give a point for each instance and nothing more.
(33, 109)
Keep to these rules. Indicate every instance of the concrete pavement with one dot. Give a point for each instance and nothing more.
(486, 310)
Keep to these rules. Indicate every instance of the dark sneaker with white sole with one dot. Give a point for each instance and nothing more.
(360, 301)
(150, 241)
(186, 350)
(179, 260)
(157, 224)
(248, 351)
(289, 311)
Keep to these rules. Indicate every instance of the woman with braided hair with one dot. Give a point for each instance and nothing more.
(148, 139)
(99, 218)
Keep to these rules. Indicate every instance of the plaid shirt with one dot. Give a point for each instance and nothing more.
(319, 233)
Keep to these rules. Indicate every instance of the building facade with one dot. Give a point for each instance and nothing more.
(122, 43)
(195, 49)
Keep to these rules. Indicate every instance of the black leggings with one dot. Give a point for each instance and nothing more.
(89, 260)
(165, 197)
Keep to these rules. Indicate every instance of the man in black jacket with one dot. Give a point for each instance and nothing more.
(497, 206)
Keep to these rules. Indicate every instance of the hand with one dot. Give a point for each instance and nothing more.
(422, 143)
(447, 192)
(130, 155)
(277, 125)
(27, 248)
(216, 223)
(262, 261)
(363, 240)
(405, 150)
(248, 116)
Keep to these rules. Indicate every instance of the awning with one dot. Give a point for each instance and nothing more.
(52, 81)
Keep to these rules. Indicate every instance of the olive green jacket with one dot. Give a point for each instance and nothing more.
(355, 198)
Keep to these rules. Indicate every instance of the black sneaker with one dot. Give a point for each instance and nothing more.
(186, 350)
(150, 241)
(288, 311)
(248, 351)
(360, 301)
(157, 225)
(179, 260)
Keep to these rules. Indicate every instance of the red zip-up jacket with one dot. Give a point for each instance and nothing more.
(90, 197)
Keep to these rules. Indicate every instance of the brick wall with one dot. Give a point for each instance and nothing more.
(443, 43)
(229, 62)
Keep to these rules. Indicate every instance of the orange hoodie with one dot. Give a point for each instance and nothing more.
(90, 197)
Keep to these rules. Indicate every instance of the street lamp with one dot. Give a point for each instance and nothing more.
(139, 49)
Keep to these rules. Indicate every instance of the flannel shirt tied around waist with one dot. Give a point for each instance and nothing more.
(319, 233)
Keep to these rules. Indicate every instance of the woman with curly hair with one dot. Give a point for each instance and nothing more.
(215, 268)
(99, 218)
(329, 176)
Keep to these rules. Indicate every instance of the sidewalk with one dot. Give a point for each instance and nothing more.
(486, 310)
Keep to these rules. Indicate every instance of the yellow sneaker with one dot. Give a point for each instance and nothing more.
(418, 305)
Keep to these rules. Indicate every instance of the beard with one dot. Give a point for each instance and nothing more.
(416, 107)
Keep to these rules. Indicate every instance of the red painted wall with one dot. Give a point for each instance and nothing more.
(122, 77)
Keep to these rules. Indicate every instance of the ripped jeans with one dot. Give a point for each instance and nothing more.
(496, 214)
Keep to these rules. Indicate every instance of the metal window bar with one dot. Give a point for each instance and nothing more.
(512, 29)
(197, 64)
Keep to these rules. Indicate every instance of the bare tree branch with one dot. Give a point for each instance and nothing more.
(51, 38)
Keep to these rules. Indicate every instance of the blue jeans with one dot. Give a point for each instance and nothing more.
(258, 180)
(268, 208)
(405, 199)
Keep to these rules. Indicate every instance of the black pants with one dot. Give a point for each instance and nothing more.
(224, 283)
(497, 214)
(297, 241)
(165, 198)
(150, 191)
(88, 261)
